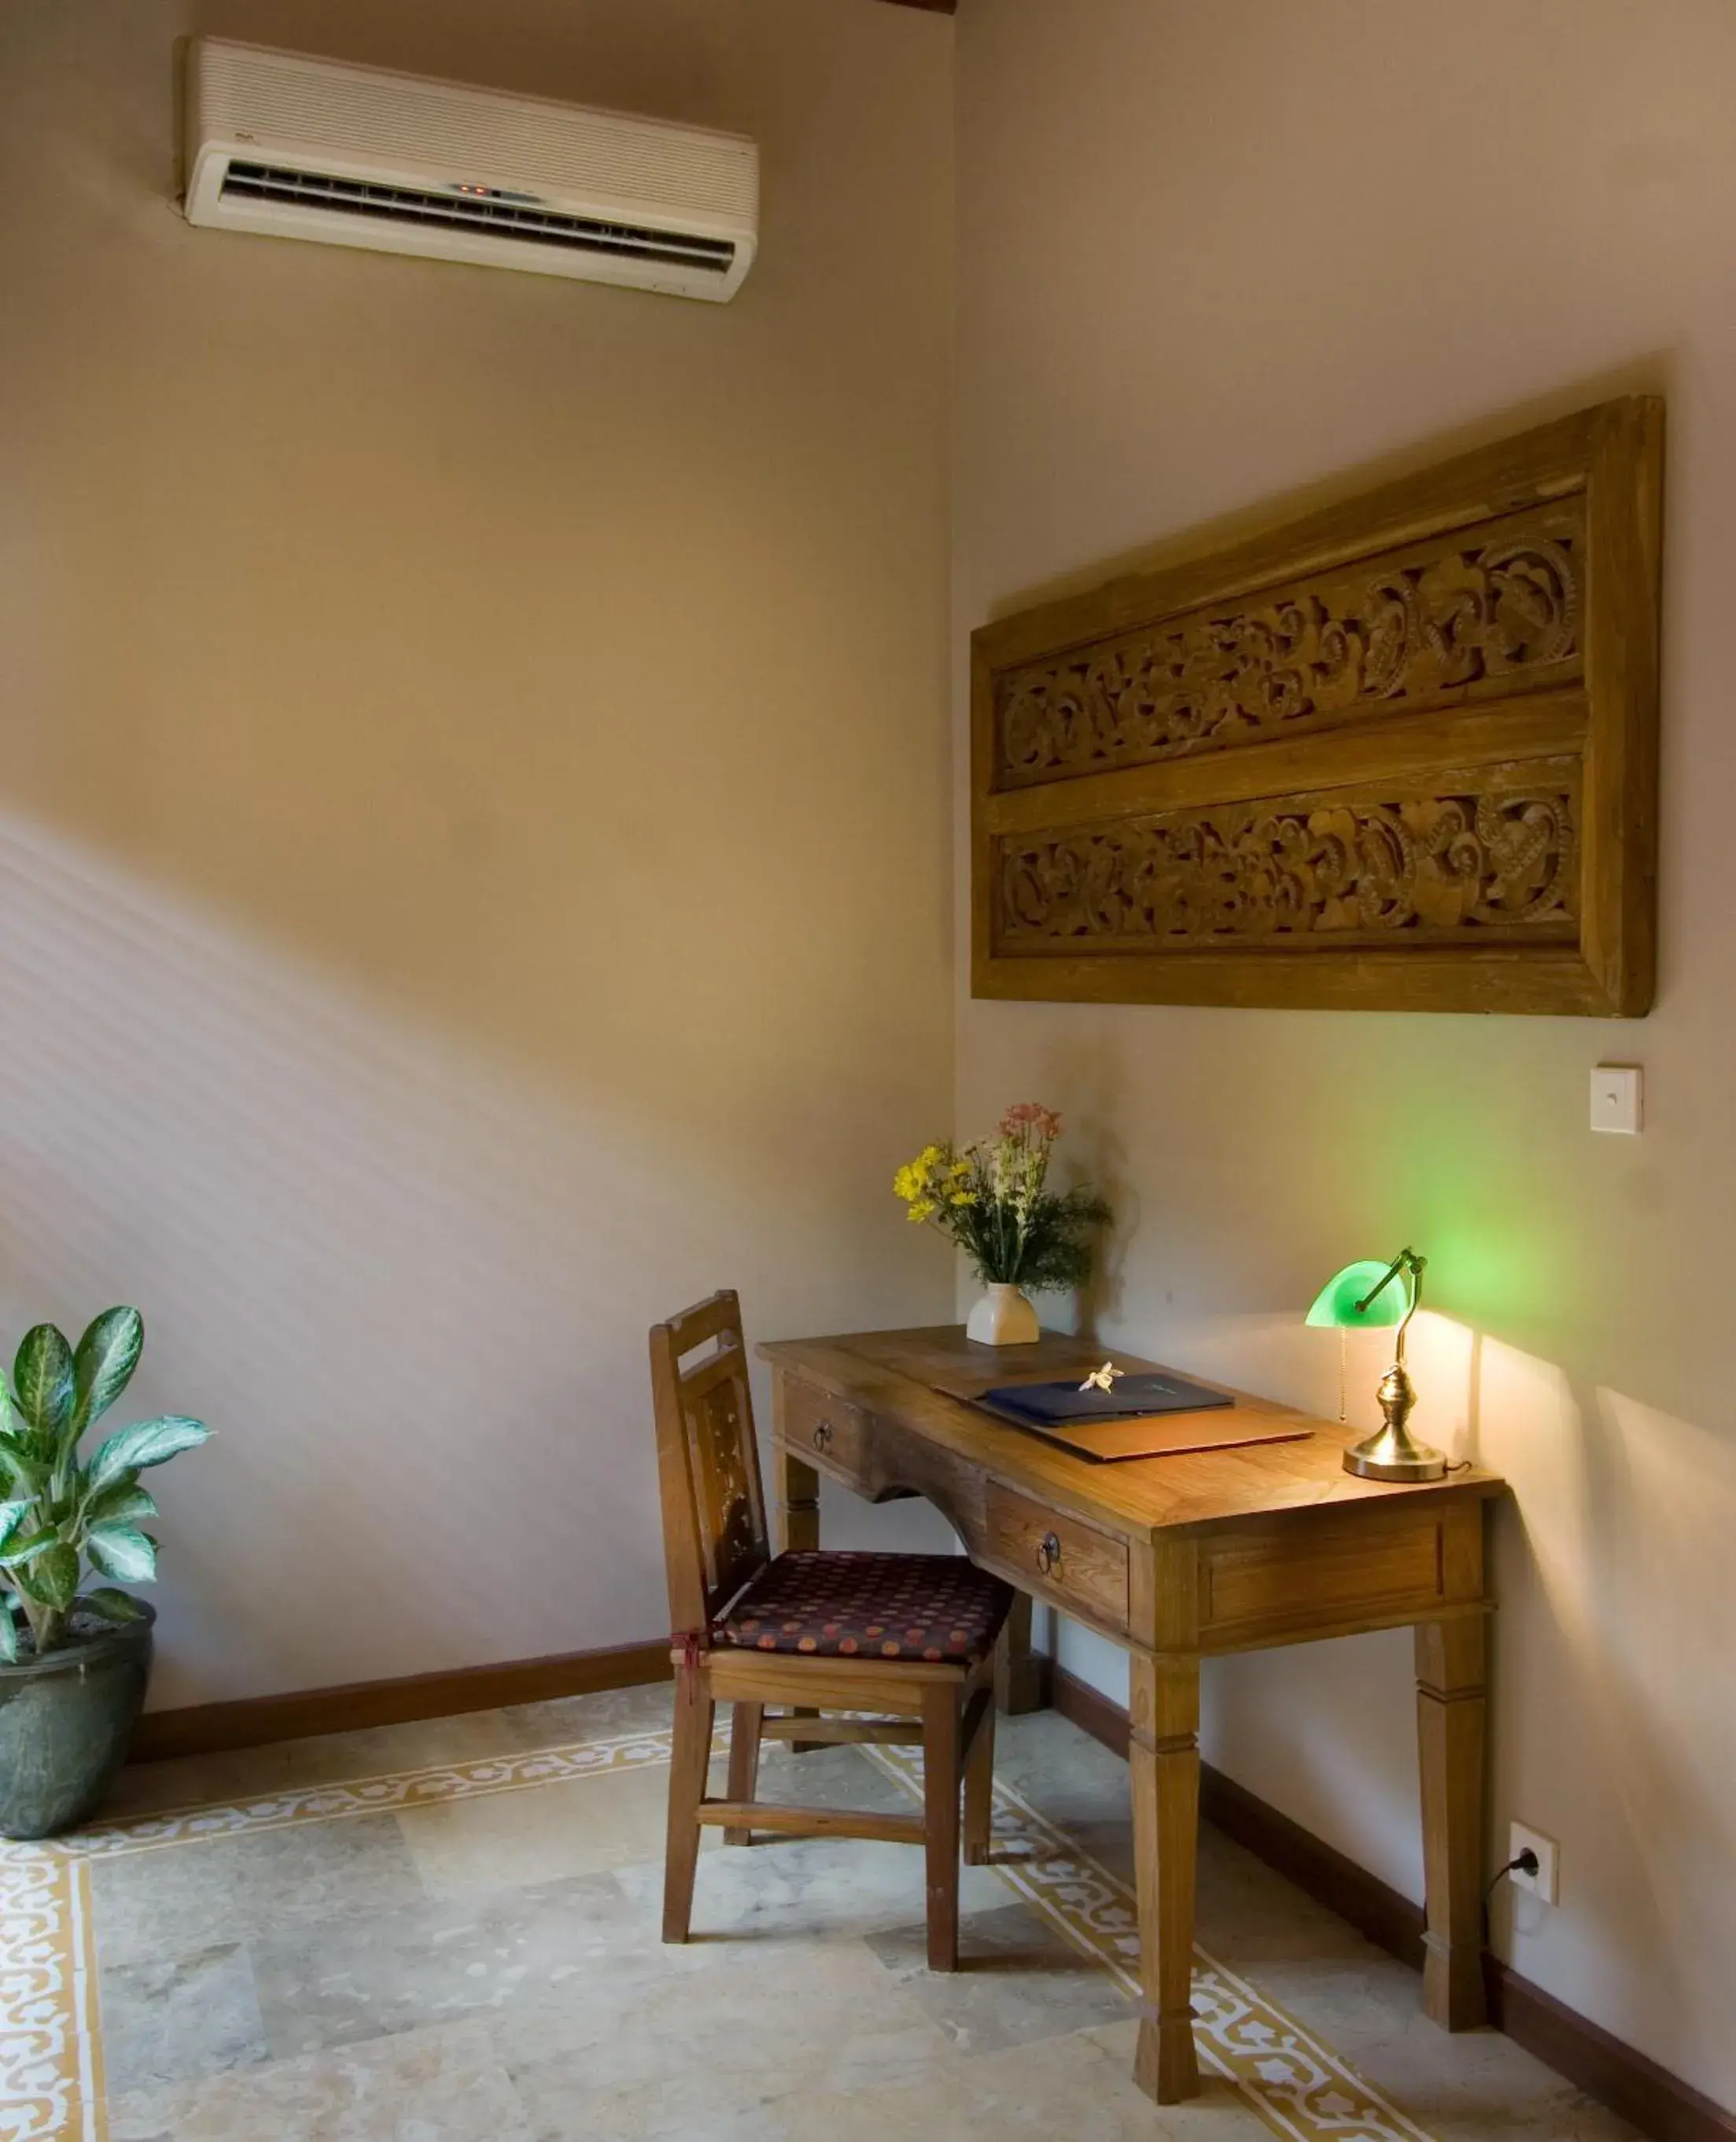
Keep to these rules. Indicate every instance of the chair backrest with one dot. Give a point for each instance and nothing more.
(707, 1462)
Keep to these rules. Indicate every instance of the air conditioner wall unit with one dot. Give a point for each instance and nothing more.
(310, 148)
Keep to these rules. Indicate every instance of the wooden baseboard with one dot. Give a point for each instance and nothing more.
(207, 1729)
(1098, 1714)
(1657, 2103)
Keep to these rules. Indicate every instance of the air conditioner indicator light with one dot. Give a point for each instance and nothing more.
(494, 193)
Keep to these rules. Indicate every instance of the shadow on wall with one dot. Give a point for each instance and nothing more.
(411, 1280)
(1615, 1537)
(368, 1245)
(1615, 1532)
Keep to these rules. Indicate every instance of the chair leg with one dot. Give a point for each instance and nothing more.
(940, 1783)
(689, 1760)
(980, 1792)
(744, 1747)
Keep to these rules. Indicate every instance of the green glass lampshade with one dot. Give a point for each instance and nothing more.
(1335, 1304)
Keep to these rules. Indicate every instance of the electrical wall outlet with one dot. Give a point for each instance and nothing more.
(1615, 1098)
(1542, 1884)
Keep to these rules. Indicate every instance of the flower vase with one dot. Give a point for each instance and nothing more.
(1004, 1317)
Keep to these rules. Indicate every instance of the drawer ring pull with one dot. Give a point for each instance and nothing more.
(1048, 1554)
(822, 1435)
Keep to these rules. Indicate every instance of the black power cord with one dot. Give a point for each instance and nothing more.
(1527, 1863)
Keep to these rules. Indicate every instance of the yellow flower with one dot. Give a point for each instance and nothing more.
(936, 1177)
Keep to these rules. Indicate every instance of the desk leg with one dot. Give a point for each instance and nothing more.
(1450, 1698)
(796, 1486)
(1019, 1670)
(1164, 1760)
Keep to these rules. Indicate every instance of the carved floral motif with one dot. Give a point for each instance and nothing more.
(1454, 866)
(1436, 620)
(729, 1513)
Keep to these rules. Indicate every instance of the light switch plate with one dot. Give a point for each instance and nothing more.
(1615, 1098)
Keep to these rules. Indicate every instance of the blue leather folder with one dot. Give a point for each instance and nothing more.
(1132, 1398)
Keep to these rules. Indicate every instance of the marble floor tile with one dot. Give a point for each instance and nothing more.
(1250, 1917)
(491, 1967)
(1468, 2086)
(436, 1960)
(437, 2085)
(323, 1758)
(801, 1889)
(617, 1819)
(166, 2022)
(602, 1716)
(1064, 2089)
(678, 2039)
(1018, 1980)
(149, 1906)
(1061, 1769)
(831, 1777)
(335, 1758)
(150, 1788)
(1220, 2109)
(580, 1826)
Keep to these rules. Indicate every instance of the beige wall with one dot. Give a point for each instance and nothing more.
(1210, 255)
(473, 832)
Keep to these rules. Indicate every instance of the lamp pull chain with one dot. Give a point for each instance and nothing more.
(1344, 1356)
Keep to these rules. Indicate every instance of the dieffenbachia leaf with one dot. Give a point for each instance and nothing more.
(12, 1521)
(120, 1502)
(43, 1380)
(18, 1457)
(103, 1365)
(112, 1605)
(9, 1631)
(145, 1443)
(54, 1577)
(121, 1550)
(27, 1543)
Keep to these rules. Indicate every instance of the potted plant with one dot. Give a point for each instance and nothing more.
(992, 1199)
(72, 1676)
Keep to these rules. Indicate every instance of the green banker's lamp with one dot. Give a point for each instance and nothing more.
(1361, 1296)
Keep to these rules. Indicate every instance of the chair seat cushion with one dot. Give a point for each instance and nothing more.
(930, 1606)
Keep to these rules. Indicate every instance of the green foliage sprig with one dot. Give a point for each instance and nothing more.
(992, 1198)
(60, 1513)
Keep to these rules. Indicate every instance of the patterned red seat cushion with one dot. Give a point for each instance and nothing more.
(934, 1606)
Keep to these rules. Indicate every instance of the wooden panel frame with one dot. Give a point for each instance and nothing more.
(1586, 727)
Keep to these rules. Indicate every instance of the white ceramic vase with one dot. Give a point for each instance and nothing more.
(1003, 1317)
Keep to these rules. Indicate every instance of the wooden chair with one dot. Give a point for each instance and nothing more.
(909, 1637)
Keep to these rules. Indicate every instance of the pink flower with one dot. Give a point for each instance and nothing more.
(1030, 1118)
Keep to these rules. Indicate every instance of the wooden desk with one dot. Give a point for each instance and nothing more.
(1175, 1558)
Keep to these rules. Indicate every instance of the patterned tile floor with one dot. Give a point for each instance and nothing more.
(447, 1933)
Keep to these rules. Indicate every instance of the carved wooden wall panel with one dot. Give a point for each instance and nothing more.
(1402, 753)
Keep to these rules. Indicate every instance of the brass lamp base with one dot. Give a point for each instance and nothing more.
(1391, 1453)
(1389, 1456)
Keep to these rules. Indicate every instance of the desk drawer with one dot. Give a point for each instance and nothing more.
(1058, 1557)
(1271, 1578)
(826, 1431)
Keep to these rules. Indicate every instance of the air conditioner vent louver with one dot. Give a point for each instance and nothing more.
(408, 204)
(294, 147)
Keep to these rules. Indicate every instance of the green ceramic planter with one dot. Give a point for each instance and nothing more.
(65, 1724)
